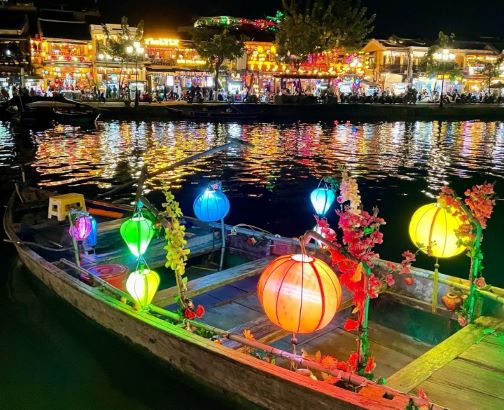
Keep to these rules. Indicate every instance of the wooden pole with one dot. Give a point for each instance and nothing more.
(232, 142)
(435, 287)
(223, 247)
(74, 242)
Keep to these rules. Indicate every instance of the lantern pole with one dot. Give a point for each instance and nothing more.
(363, 341)
(223, 246)
(435, 286)
(74, 241)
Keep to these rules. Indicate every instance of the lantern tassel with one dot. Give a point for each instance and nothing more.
(435, 286)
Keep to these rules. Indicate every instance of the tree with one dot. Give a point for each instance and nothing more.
(492, 70)
(433, 66)
(116, 45)
(217, 46)
(314, 26)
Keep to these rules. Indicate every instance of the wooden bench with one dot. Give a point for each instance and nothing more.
(214, 280)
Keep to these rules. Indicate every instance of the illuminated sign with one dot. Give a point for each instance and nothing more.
(162, 42)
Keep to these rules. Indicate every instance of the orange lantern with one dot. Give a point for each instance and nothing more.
(299, 293)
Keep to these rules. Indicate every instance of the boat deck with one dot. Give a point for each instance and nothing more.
(465, 371)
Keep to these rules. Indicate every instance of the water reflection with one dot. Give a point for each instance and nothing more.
(433, 153)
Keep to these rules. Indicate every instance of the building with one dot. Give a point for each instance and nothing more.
(62, 51)
(394, 64)
(173, 66)
(15, 45)
(116, 70)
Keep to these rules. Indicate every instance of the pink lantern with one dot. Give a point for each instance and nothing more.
(81, 228)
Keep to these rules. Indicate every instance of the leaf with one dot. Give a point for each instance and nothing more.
(382, 380)
(318, 356)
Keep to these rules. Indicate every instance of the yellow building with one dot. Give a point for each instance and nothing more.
(114, 73)
(62, 54)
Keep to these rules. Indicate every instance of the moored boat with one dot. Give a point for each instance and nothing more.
(215, 113)
(37, 109)
(234, 347)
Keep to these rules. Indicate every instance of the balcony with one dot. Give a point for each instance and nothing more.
(395, 68)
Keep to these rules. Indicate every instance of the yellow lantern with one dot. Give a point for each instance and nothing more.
(299, 293)
(432, 229)
(142, 286)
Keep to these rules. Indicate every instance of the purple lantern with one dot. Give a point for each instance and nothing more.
(81, 228)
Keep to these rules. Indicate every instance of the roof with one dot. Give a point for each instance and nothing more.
(395, 41)
(57, 15)
(474, 45)
(65, 30)
(12, 21)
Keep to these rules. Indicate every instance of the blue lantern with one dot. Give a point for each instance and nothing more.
(212, 205)
(92, 239)
(322, 199)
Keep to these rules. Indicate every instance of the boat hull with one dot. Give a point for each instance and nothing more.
(212, 364)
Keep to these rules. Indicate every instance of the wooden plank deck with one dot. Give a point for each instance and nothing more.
(465, 371)
(214, 281)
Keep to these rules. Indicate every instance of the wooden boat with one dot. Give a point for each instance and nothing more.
(214, 113)
(46, 109)
(456, 369)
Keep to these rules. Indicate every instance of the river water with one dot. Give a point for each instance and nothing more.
(51, 357)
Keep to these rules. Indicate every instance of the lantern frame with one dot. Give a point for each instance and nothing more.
(204, 209)
(299, 293)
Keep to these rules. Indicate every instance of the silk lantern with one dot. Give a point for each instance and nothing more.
(322, 199)
(137, 232)
(299, 293)
(142, 285)
(81, 227)
(432, 230)
(211, 205)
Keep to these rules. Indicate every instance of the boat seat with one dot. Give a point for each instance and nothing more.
(59, 205)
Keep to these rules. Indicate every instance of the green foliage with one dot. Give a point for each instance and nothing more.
(432, 67)
(176, 255)
(216, 46)
(313, 26)
(115, 46)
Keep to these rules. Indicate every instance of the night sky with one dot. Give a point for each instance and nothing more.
(407, 18)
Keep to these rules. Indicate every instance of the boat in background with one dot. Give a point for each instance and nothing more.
(36, 109)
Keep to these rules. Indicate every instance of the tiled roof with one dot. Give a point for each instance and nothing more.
(64, 30)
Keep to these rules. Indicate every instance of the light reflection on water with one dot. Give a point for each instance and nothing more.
(432, 153)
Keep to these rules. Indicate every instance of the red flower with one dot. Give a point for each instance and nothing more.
(390, 279)
(351, 325)
(189, 314)
(370, 365)
(462, 320)
(352, 362)
(200, 311)
(409, 281)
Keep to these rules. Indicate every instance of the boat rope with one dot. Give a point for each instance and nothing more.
(234, 229)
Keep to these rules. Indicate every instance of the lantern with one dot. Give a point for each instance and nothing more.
(299, 293)
(137, 232)
(432, 230)
(92, 239)
(212, 205)
(322, 199)
(81, 228)
(142, 286)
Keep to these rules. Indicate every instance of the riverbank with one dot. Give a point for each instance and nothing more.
(340, 112)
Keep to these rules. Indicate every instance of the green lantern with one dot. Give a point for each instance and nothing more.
(137, 232)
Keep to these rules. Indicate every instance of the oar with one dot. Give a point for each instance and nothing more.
(145, 175)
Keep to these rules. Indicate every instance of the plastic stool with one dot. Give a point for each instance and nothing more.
(59, 205)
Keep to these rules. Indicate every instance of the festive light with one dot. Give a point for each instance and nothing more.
(142, 286)
(81, 228)
(322, 199)
(432, 230)
(137, 232)
(212, 205)
(299, 293)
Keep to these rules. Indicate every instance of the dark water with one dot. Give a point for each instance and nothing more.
(51, 357)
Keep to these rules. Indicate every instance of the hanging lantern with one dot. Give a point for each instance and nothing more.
(142, 286)
(212, 205)
(432, 230)
(92, 239)
(322, 199)
(137, 232)
(81, 228)
(299, 293)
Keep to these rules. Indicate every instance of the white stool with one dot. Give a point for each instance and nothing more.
(59, 205)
